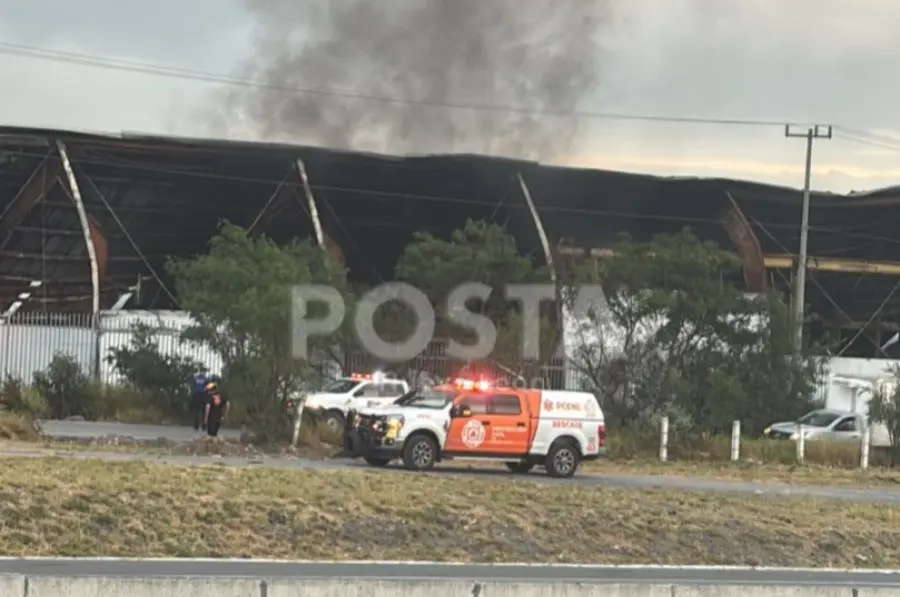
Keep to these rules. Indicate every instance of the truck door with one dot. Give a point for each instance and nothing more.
(509, 422)
(498, 426)
(847, 429)
(468, 435)
(367, 395)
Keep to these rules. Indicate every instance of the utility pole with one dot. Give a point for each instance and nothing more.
(815, 132)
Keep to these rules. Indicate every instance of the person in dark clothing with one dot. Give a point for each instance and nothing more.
(216, 410)
(199, 396)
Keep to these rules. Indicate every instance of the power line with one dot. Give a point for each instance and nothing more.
(868, 135)
(871, 141)
(36, 52)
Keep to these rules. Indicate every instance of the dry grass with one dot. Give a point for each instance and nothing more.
(625, 446)
(315, 442)
(18, 428)
(749, 471)
(58, 507)
(826, 463)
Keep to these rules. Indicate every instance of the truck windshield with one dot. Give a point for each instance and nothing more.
(818, 418)
(340, 386)
(436, 399)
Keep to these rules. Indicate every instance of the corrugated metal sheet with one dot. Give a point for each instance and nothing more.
(29, 341)
(116, 332)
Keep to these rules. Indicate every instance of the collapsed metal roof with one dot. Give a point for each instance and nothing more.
(149, 197)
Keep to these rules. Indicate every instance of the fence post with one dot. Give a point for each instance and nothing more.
(6, 331)
(864, 448)
(801, 444)
(735, 441)
(664, 440)
(298, 419)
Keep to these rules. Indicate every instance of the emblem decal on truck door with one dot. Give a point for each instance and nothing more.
(473, 434)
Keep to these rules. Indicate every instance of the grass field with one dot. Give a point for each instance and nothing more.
(76, 508)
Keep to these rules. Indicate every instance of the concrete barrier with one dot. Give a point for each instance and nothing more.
(11, 584)
(52, 586)
(459, 589)
(752, 591)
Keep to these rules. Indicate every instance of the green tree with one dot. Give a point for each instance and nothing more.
(240, 296)
(679, 337)
(485, 253)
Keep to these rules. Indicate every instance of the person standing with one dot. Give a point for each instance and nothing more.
(199, 380)
(216, 409)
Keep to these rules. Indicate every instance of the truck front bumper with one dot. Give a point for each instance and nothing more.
(359, 441)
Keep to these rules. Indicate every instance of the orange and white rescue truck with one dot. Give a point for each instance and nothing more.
(470, 419)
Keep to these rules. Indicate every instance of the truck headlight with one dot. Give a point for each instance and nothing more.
(394, 425)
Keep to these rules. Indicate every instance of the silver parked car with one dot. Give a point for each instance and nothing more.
(822, 424)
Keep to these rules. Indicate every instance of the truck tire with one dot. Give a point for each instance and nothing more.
(562, 459)
(333, 419)
(520, 468)
(420, 453)
(379, 462)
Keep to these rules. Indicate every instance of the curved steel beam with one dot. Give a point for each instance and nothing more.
(85, 226)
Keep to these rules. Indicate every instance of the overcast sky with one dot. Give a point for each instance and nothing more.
(828, 61)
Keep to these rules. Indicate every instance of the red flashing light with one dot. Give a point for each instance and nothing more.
(601, 435)
(360, 376)
(481, 385)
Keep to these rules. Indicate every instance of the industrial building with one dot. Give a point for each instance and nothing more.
(139, 199)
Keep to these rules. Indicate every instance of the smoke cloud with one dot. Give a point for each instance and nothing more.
(533, 54)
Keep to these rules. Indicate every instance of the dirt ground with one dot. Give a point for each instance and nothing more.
(52, 506)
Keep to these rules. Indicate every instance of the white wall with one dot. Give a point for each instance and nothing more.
(27, 347)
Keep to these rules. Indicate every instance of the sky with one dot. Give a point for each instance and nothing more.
(806, 61)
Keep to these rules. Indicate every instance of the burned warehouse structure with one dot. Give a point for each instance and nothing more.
(78, 208)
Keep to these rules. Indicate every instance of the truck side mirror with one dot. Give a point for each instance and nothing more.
(461, 411)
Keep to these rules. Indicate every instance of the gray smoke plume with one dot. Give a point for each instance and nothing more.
(536, 54)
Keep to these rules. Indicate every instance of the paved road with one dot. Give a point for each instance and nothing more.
(429, 571)
(83, 429)
(882, 495)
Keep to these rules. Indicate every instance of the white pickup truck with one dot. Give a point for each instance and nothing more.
(830, 425)
(844, 418)
(332, 402)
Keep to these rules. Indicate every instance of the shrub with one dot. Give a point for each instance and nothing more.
(160, 379)
(66, 388)
(19, 427)
(17, 397)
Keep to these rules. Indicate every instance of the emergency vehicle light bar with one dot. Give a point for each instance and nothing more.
(360, 376)
(470, 384)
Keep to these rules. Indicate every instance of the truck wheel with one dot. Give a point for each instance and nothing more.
(562, 459)
(334, 420)
(520, 468)
(419, 453)
(380, 462)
